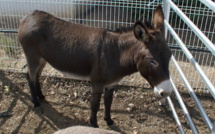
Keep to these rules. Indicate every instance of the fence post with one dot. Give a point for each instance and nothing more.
(213, 129)
(166, 8)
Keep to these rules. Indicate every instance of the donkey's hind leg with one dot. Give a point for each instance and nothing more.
(35, 67)
(38, 88)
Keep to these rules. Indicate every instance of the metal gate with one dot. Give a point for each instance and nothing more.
(202, 34)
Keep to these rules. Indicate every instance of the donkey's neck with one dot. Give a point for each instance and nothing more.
(128, 47)
(120, 50)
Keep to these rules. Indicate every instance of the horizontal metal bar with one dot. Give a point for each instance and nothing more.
(192, 93)
(183, 107)
(209, 4)
(188, 30)
(192, 60)
(175, 115)
(8, 31)
(89, 3)
(191, 49)
(196, 30)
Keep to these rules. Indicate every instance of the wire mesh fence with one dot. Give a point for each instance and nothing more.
(111, 14)
(203, 18)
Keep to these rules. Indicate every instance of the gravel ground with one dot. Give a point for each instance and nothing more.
(135, 109)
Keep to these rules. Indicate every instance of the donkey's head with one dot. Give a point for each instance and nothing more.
(154, 56)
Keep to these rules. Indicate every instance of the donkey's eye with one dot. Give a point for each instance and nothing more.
(152, 62)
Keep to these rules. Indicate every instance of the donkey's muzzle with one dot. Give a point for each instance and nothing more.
(163, 89)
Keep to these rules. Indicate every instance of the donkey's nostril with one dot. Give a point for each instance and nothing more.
(162, 94)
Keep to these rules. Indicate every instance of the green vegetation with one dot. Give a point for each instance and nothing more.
(8, 45)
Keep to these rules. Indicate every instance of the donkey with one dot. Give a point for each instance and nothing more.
(102, 56)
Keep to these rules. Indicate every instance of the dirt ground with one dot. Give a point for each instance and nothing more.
(135, 109)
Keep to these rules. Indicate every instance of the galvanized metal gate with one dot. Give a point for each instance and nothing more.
(208, 43)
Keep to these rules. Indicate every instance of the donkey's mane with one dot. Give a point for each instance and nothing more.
(124, 29)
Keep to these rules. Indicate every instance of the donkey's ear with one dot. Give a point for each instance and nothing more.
(140, 31)
(158, 19)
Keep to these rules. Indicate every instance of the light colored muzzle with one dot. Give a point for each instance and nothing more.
(163, 89)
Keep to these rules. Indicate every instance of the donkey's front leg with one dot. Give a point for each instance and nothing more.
(95, 103)
(108, 98)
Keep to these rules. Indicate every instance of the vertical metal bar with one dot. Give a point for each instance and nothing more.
(114, 17)
(75, 11)
(111, 3)
(180, 101)
(90, 18)
(106, 14)
(192, 125)
(131, 12)
(213, 130)
(126, 12)
(166, 8)
(123, 11)
(102, 4)
(175, 115)
(98, 7)
(119, 7)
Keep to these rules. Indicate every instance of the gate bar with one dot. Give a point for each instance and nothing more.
(190, 90)
(209, 4)
(180, 101)
(175, 115)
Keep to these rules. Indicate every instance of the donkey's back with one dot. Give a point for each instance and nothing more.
(60, 43)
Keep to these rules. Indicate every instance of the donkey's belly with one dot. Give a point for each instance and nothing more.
(75, 76)
(109, 84)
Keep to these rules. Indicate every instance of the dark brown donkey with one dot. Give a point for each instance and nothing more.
(102, 56)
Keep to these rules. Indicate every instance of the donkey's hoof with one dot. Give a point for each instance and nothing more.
(42, 97)
(36, 103)
(94, 124)
(109, 122)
